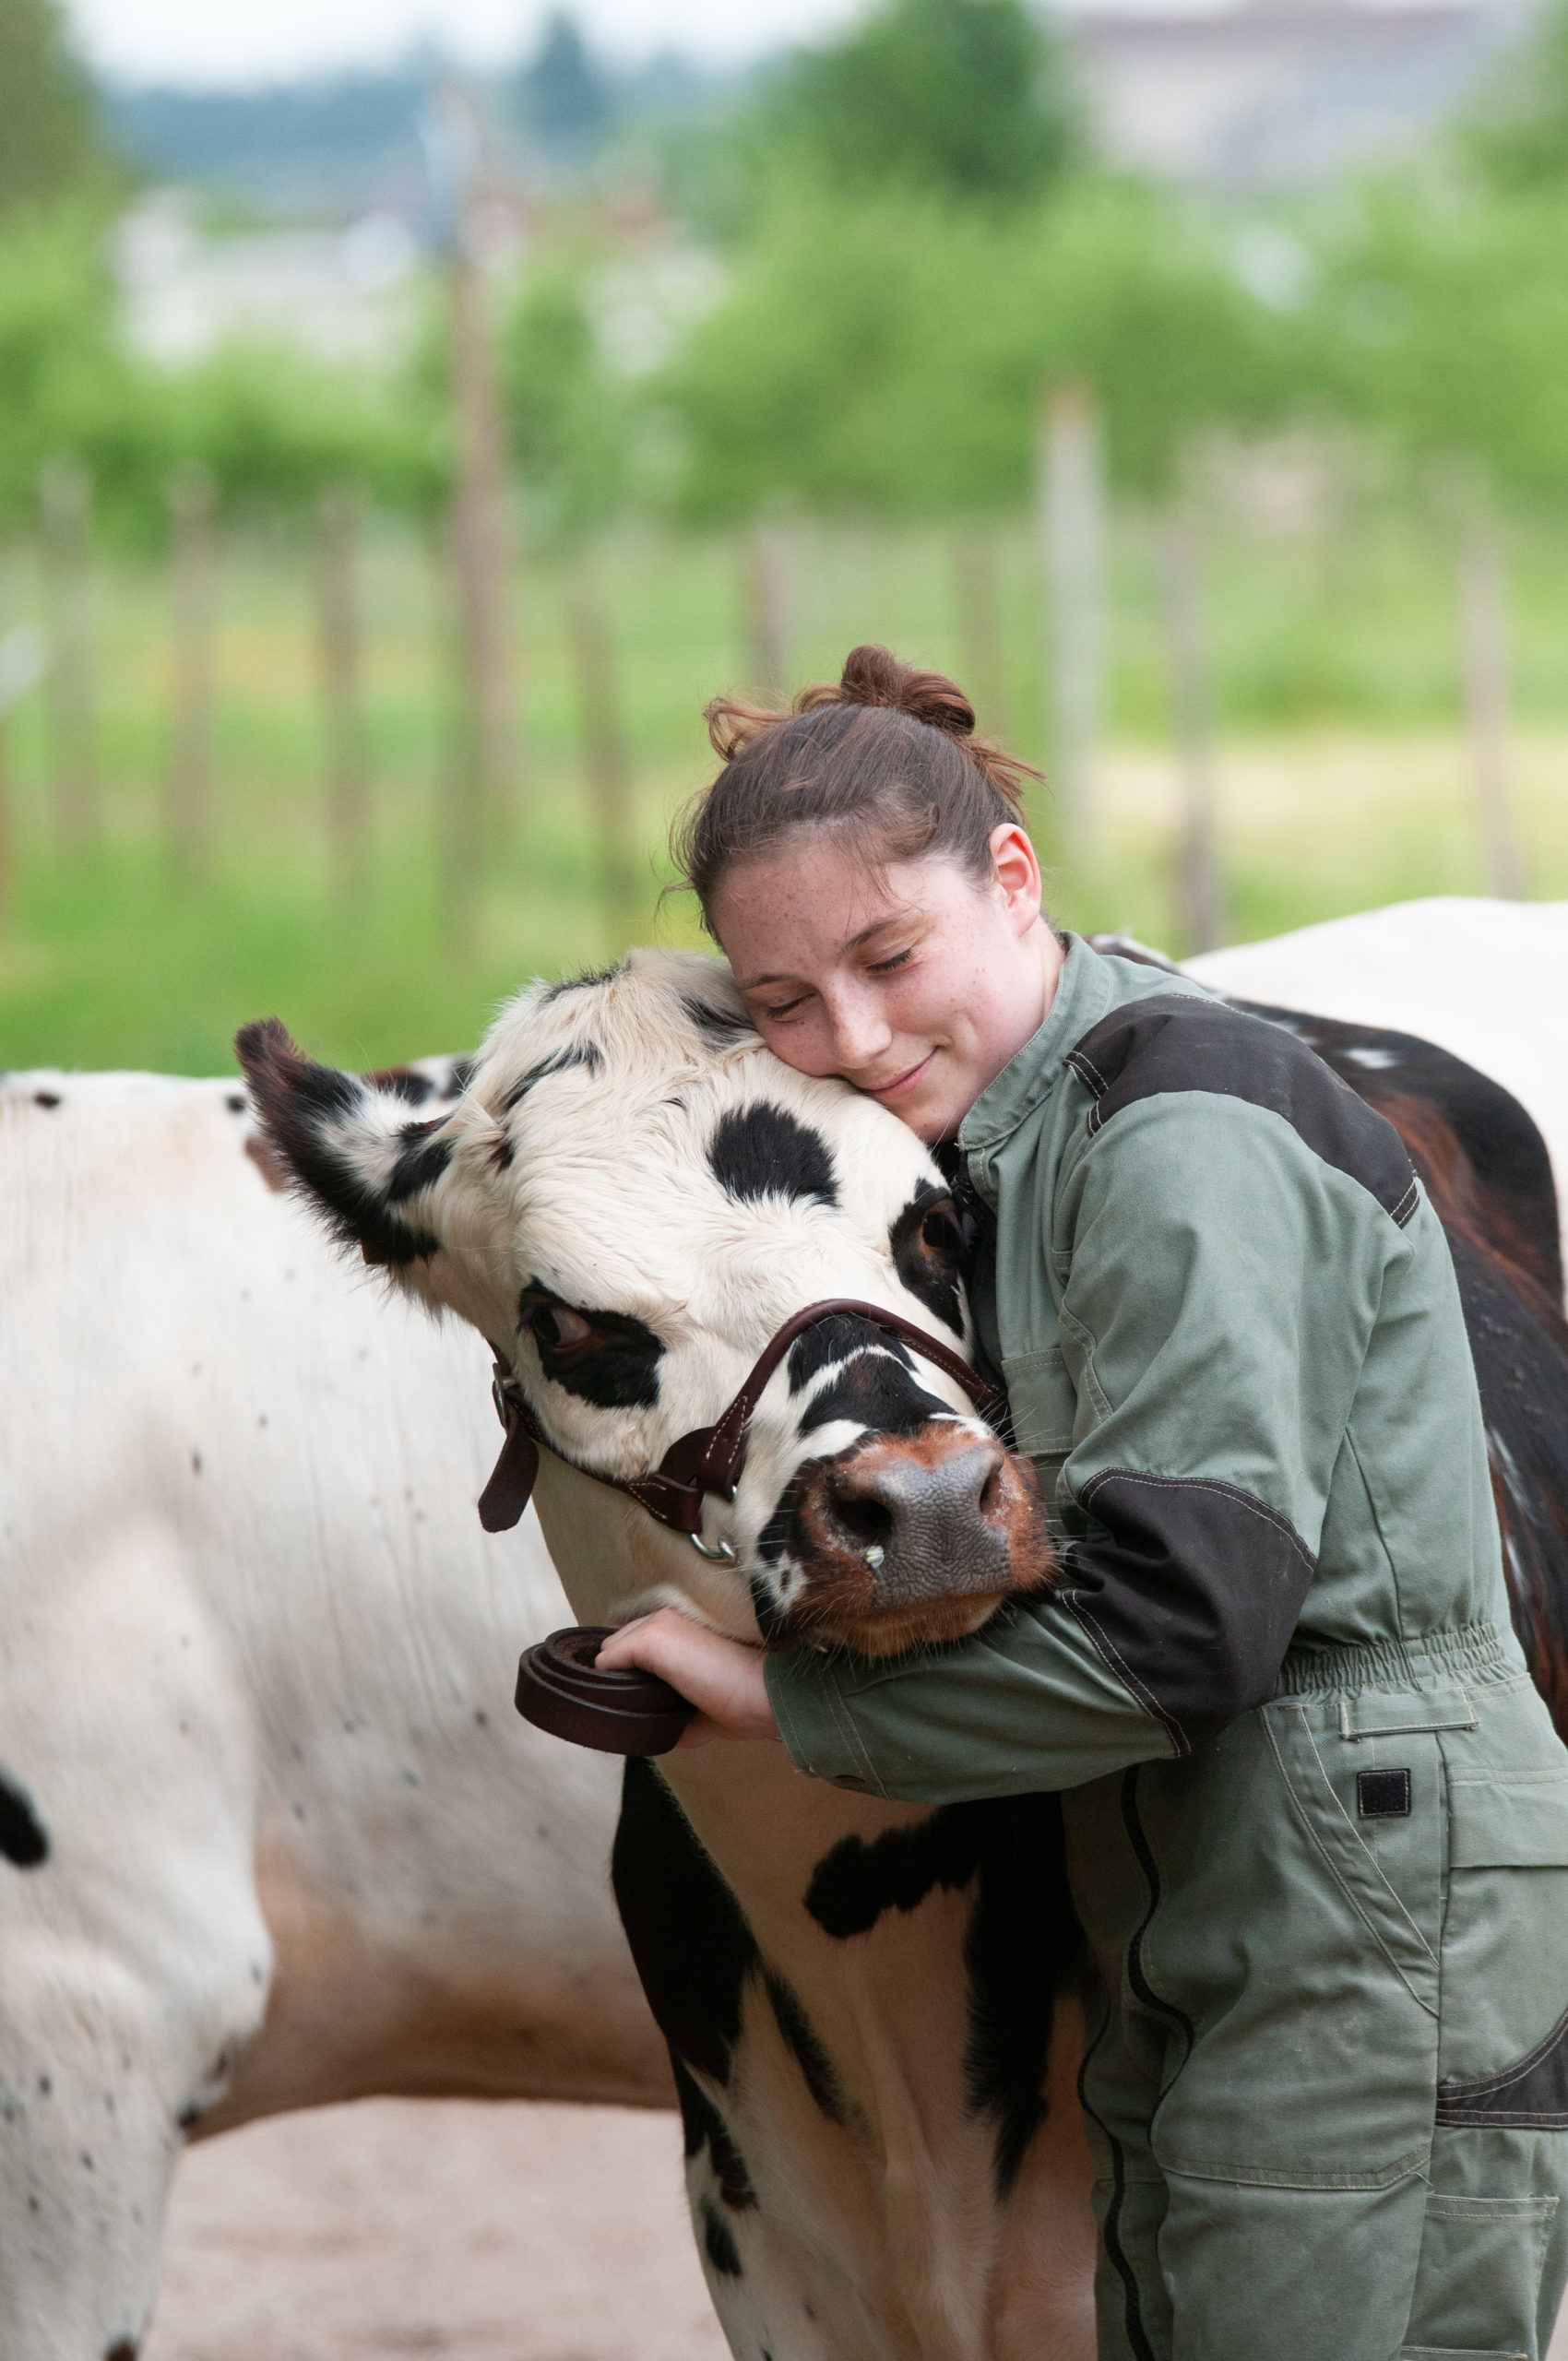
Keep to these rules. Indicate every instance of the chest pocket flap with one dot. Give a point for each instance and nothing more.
(1519, 1822)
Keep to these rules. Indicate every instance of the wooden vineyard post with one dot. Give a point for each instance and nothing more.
(607, 758)
(1200, 892)
(484, 779)
(764, 582)
(189, 807)
(1483, 631)
(1070, 514)
(981, 650)
(337, 608)
(23, 657)
(65, 490)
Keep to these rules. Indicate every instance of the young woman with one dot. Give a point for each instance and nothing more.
(1317, 1817)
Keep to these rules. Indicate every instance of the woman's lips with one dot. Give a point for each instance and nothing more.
(900, 1082)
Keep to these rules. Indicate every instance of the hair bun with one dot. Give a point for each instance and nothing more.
(873, 676)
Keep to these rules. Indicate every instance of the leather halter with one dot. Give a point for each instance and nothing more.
(709, 1459)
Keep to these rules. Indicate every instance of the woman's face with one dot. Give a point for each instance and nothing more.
(917, 986)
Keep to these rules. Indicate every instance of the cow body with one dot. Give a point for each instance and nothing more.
(274, 1836)
(1486, 981)
(254, 1701)
(871, 2009)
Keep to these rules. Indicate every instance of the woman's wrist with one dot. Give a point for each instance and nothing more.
(722, 1678)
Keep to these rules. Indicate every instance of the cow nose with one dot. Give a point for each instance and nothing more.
(924, 1511)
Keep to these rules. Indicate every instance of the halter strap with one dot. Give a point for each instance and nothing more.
(709, 1459)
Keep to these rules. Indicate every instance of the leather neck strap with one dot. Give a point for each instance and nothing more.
(709, 1459)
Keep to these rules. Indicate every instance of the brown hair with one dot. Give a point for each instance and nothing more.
(885, 756)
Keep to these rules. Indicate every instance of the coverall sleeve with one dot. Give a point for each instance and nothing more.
(1223, 1283)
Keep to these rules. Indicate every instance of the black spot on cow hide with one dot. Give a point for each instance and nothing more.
(693, 1951)
(928, 1254)
(24, 1840)
(420, 1160)
(722, 1027)
(46, 1099)
(586, 981)
(459, 1075)
(718, 2241)
(303, 1109)
(559, 1062)
(124, 2351)
(402, 1082)
(876, 1388)
(762, 1151)
(1023, 1944)
(689, 1938)
(618, 1372)
(805, 2046)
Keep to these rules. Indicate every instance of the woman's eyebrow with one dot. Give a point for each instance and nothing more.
(854, 942)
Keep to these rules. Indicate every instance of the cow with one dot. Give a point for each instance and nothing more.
(874, 2010)
(270, 1832)
(189, 1377)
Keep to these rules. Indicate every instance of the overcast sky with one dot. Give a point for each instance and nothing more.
(237, 42)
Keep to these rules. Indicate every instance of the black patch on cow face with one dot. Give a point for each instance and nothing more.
(582, 1054)
(420, 1160)
(50, 1098)
(459, 1077)
(802, 2040)
(875, 1389)
(722, 1027)
(1023, 1944)
(616, 1368)
(761, 1151)
(718, 2241)
(301, 1106)
(928, 1254)
(24, 1840)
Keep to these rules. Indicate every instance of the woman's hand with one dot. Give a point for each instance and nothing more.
(722, 1677)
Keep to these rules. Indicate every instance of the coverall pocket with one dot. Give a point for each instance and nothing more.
(1502, 2055)
(1482, 2261)
(1301, 1962)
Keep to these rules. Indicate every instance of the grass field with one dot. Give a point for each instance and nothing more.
(1343, 779)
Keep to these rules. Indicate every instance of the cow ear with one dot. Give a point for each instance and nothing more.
(347, 1147)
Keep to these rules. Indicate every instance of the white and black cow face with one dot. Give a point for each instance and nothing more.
(631, 1197)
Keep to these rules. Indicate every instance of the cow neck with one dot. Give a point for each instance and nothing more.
(707, 1461)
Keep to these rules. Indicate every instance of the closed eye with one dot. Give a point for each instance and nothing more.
(886, 966)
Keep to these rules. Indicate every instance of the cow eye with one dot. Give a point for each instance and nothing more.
(556, 1328)
(940, 1233)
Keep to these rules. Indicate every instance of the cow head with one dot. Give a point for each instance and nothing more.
(631, 1196)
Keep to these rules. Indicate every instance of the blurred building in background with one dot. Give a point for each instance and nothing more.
(1278, 93)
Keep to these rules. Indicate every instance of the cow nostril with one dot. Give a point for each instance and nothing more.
(991, 1490)
(865, 1521)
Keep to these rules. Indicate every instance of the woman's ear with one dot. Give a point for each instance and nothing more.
(1017, 875)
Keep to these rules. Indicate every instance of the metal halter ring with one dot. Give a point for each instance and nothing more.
(723, 1554)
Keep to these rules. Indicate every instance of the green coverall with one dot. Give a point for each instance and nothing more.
(1317, 1817)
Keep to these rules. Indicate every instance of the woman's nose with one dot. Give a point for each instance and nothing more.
(861, 1032)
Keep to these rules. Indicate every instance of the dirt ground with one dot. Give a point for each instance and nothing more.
(436, 2228)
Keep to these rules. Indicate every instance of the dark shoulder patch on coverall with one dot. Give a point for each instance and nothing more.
(1175, 1041)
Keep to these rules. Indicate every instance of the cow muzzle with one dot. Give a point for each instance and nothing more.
(911, 1538)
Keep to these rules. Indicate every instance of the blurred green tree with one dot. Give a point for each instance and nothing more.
(890, 353)
(53, 142)
(1441, 321)
(568, 416)
(972, 98)
(565, 94)
(1519, 129)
